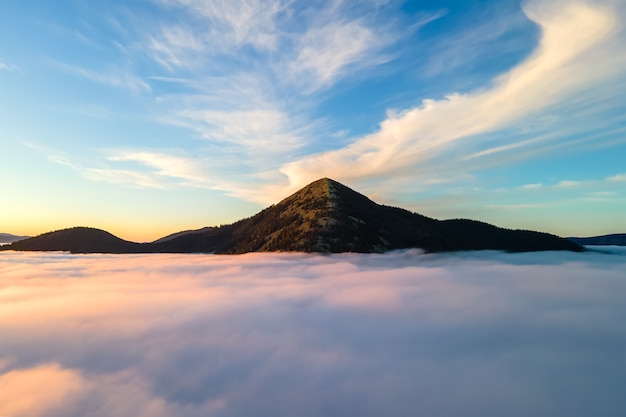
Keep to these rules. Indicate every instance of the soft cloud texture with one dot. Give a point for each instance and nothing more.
(7, 67)
(233, 24)
(115, 77)
(262, 117)
(244, 76)
(327, 51)
(473, 334)
(577, 40)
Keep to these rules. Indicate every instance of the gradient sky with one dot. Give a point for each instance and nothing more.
(149, 117)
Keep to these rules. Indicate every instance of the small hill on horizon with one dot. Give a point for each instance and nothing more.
(325, 216)
(616, 239)
(9, 238)
(78, 240)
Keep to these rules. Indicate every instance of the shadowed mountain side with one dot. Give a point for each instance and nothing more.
(617, 239)
(476, 235)
(184, 232)
(324, 216)
(79, 240)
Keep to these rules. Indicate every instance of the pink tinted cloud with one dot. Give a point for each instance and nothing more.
(404, 333)
(38, 390)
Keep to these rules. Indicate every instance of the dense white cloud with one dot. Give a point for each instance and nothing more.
(476, 333)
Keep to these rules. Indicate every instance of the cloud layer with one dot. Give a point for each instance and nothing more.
(398, 334)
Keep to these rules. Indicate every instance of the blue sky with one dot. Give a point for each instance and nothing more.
(149, 117)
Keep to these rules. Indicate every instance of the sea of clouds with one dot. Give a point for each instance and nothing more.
(398, 334)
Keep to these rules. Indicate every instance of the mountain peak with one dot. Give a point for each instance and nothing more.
(317, 196)
(324, 188)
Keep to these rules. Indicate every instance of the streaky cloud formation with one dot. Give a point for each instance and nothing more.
(270, 133)
(114, 77)
(7, 67)
(404, 333)
(253, 108)
(576, 43)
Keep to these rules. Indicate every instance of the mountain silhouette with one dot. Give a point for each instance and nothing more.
(325, 216)
(9, 238)
(78, 240)
(617, 239)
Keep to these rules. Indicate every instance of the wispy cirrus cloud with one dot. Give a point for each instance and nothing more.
(176, 47)
(248, 76)
(166, 165)
(326, 53)
(257, 114)
(577, 39)
(114, 77)
(139, 168)
(7, 67)
(127, 177)
(466, 49)
(244, 76)
(143, 168)
(237, 23)
(252, 130)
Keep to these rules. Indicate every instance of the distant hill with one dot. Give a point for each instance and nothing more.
(618, 239)
(475, 235)
(325, 216)
(78, 240)
(9, 238)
